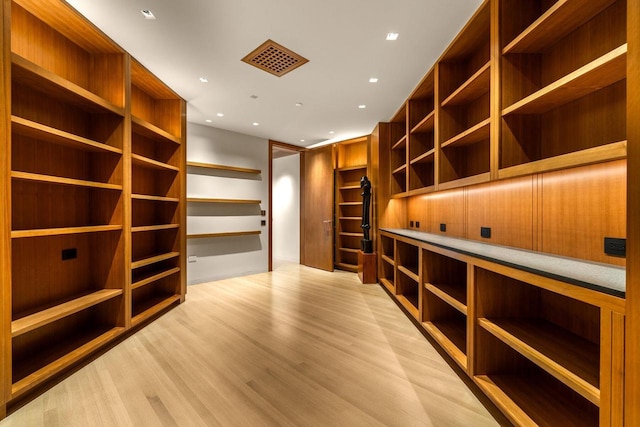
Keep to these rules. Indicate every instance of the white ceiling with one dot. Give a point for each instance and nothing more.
(344, 41)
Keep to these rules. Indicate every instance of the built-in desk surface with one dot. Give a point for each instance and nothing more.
(601, 277)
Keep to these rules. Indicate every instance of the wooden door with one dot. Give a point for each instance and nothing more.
(316, 245)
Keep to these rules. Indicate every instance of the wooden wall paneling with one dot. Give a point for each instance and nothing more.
(632, 326)
(495, 108)
(353, 152)
(507, 207)
(442, 208)
(5, 209)
(582, 206)
(392, 213)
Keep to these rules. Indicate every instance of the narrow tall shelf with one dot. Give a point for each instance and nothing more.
(69, 285)
(348, 216)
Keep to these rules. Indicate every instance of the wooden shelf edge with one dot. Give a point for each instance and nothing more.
(350, 204)
(400, 195)
(422, 190)
(401, 169)
(471, 89)
(608, 152)
(463, 182)
(349, 250)
(351, 168)
(387, 284)
(544, 30)
(155, 198)
(28, 176)
(65, 85)
(36, 130)
(472, 135)
(139, 160)
(562, 374)
(144, 228)
(511, 410)
(226, 234)
(344, 233)
(45, 373)
(230, 201)
(388, 259)
(224, 167)
(154, 259)
(402, 141)
(426, 124)
(154, 130)
(50, 315)
(408, 305)
(424, 157)
(43, 232)
(447, 345)
(610, 68)
(154, 278)
(409, 273)
(152, 311)
(348, 267)
(449, 299)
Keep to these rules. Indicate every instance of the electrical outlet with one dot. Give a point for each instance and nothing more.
(443, 228)
(485, 232)
(411, 224)
(263, 222)
(615, 247)
(263, 213)
(192, 258)
(417, 224)
(68, 254)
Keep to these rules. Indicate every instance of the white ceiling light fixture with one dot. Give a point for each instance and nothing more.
(208, 120)
(147, 14)
(392, 36)
(298, 104)
(255, 124)
(373, 80)
(220, 114)
(204, 80)
(302, 140)
(331, 132)
(362, 106)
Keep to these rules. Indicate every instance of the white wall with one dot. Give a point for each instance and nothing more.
(286, 208)
(223, 257)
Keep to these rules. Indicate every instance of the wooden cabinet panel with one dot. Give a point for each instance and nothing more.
(580, 207)
(442, 208)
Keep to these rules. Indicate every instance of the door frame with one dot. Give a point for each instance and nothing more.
(294, 149)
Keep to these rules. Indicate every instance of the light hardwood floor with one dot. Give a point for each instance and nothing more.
(298, 346)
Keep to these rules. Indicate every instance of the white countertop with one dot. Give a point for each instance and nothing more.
(601, 277)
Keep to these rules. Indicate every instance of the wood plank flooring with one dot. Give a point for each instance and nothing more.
(296, 347)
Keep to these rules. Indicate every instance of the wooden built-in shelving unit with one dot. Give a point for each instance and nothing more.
(86, 180)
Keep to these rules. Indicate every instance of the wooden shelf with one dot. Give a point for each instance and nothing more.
(344, 233)
(348, 267)
(25, 72)
(350, 187)
(41, 132)
(410, 303)
(557, 22)
(28, 323)
(475, 134)
(351, 168)
(465, 182)
(528, 401)
(452, 337)
(231, 201)
(387, 284)
(154, 278)
(411, 272)
(350, 204)
(144, 228)
(224, 168)
(65, 356)
(155, 198)
(402, 143)
(21, 234)
(427, 157)
(139, 160)
(388, 259)
(425, 125)
(154, 259)
(569, 358)
(452, 295)
(476, 86)
(604, 153)
(350, 218)
(154, 307)
(401, 169)
(350, 250)
(27, 176)
(144, 128)
(602, 72)
(226, 234)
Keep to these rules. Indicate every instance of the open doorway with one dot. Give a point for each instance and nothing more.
(284, 204)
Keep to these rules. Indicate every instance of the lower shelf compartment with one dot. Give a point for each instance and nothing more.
(388, 284)
(452, 337)
(149, 308)
(410, 302)
(535, 400)
(347, 267)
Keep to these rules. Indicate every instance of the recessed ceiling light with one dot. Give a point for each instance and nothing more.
(208, 120)
(255, 124)
(220, 114)
(254, 97)
(204, 80)
(147, 14)
(373, 80)
(331, 132)
(392, 36)
(362, 106)
(298, 104)
(302, 140)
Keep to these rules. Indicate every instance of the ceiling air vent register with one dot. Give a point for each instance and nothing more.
(274, 58)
